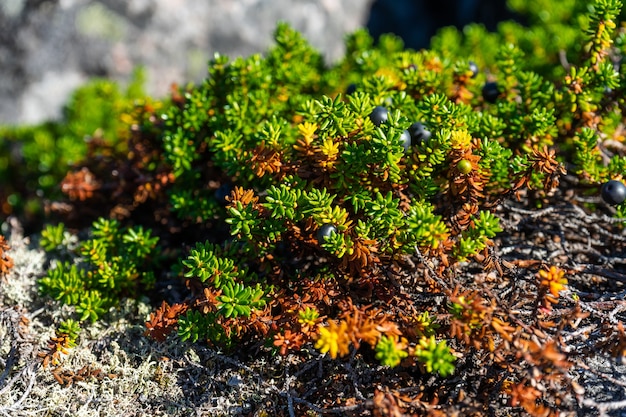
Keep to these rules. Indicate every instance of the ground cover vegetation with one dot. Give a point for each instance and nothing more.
(415, 213)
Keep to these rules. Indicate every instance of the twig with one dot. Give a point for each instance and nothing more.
(332, 410)
(581, 331)
(234, 362)
(533, 214)
(310, 365)
(593, 269)
(11, 319)
(287, 392)
(353, 376)
(430, 269)
(9, 363)
(563, 59)
(12, 381)
(603, 408)
(601, 375)
(29, 371)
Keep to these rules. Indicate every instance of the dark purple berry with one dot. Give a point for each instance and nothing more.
(351, 89)
(614, 192)
(474, 68)
(325, 231)
(405, 140)
(491, 92)
(379, 115)
(419, 133)
(223, 192)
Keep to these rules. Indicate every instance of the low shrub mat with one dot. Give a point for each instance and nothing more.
(431, 232)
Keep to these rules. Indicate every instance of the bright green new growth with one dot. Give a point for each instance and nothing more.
(426, 325)
(475, 238)
(235, 298)
(308, 316)
(388, 352)
(52, 237)
(238, 300)
(70, 328)
(435, 356)
(115, 262)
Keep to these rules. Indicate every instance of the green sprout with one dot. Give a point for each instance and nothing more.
(53, 237)
(435, 356)
(390, 351)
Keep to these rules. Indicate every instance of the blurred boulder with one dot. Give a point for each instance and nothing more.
(49, 47)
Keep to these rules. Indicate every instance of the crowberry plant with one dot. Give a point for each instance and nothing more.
(305, 222)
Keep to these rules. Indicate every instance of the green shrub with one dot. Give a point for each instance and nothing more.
(300, 210)
(34, 159)
(116, 262)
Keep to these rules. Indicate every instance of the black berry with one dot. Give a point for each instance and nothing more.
(379, 115)
(325, 231)
(474, 68)
(223, 192)
(419, 133)
(491, 92)
(614, 192)
(405, 140)
(351, 89)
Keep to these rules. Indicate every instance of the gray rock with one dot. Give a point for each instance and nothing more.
(49, 47)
